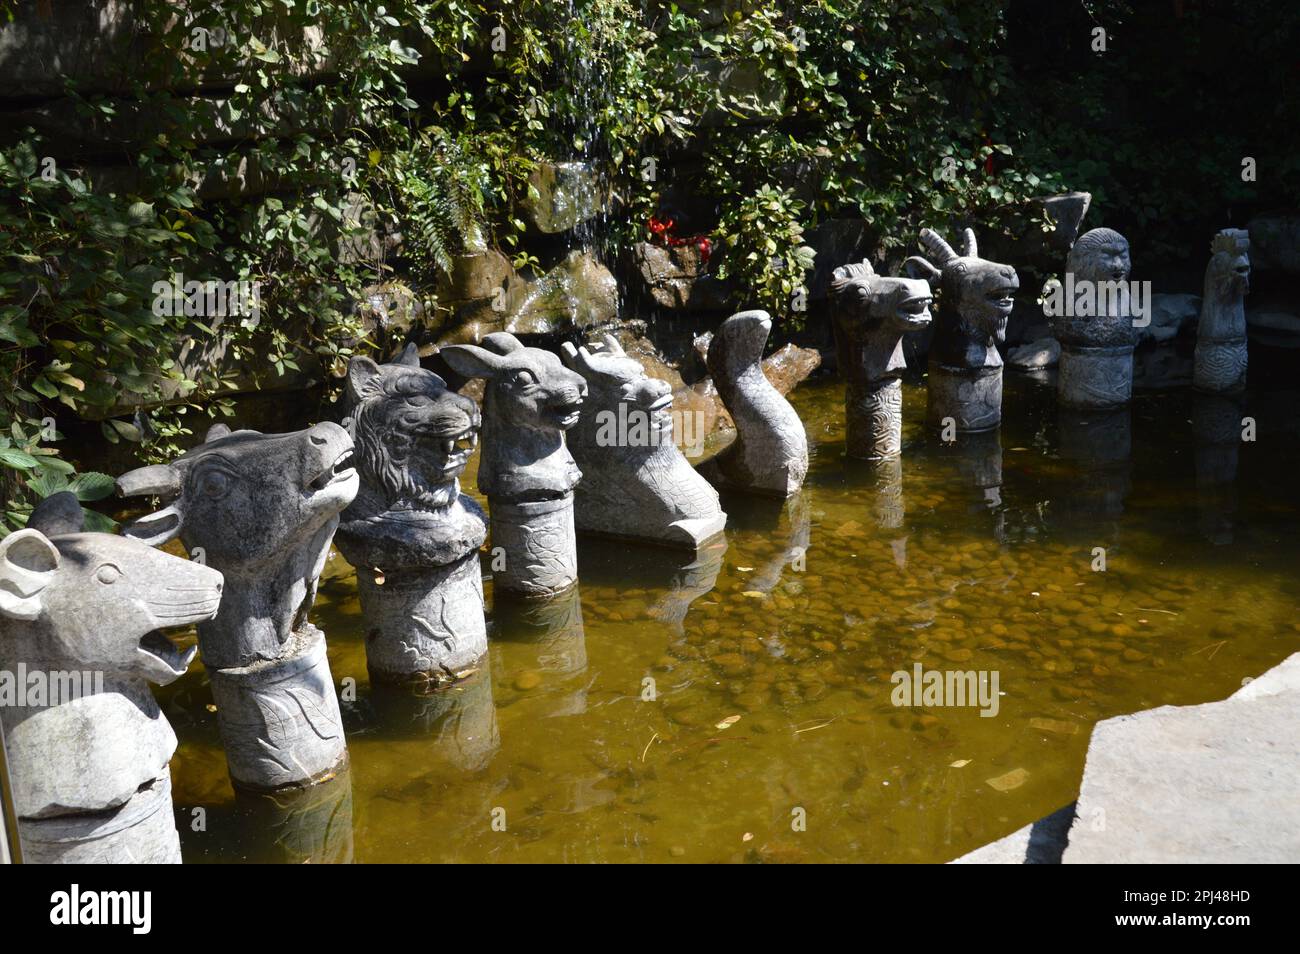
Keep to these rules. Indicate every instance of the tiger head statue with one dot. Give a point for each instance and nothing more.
(412, 436)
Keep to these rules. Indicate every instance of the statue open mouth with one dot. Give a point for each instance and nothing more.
(342, 469)
(661, 412)
(915, 311)
(163, 652)
(1003, 298)
(458, 450)
(567, 414)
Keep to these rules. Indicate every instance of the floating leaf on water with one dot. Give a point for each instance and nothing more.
(754, 594)
(747, 836)
(960, 763)
(728, 722)
(745, 569)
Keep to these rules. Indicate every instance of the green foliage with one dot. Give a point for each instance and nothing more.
(766, 255)
(440, 197)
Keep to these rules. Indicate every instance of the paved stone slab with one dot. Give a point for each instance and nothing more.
(1207, 784)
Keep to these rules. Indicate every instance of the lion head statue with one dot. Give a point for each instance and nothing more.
(413, 436)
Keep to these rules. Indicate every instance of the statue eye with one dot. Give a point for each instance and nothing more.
(523, 379)
(108, 574)
(214, 484)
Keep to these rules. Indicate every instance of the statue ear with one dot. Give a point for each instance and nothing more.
(363, 378)
(917, 267)
(613, 347)
(58, 513)
(410, 356)
(216, 432)
(472, 361)
(28, 562)
(502, 342)
(157, 528)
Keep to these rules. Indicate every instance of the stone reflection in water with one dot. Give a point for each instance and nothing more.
(301, 826)
(1099, 444)
(555, 633)
(1217, 423)
(789, 524)
(978, 461)
(459, 723)
(689, 582)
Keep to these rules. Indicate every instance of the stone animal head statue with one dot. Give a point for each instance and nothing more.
(1228, 273)
(614, 380)
(97, 601)
(770, 452)
(637, 483)
(89, 610)
(737, 347)
(413, 437)
(977, 294)
(531, 399)
(1100, 255)
(263, 509)
(872, 313)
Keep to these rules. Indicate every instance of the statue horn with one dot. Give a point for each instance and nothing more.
(941, 253)
(160, 479)
(972, 249)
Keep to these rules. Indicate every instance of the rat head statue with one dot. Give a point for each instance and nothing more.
(530, 400)
(96, 600)
(413, 437)
(871, 315)
(978, 296)
(89, 611)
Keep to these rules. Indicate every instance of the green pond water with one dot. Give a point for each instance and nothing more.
(770, 734)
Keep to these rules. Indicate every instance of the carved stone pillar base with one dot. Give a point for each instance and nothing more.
(424, 625)
(1095, 377)
(874, 421)
(541, 555)
(143, 831)
(970, 396)
(1220, 365)
(279, 719)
